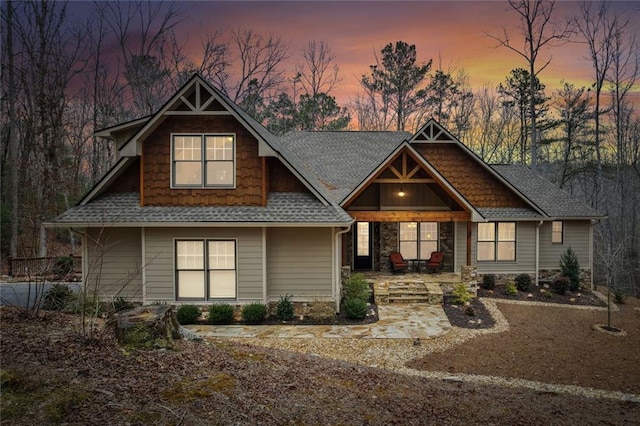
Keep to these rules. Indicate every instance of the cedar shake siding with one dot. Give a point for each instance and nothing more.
(281, 179)
(468, 176)
(128, 181)
(156, 161)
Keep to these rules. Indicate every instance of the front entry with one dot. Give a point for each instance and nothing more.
(362, 246)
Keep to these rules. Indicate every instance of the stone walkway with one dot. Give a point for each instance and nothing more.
(400, 321)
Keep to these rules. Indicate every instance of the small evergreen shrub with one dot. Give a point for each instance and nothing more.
(254, 313)
(188, 314)
(57, 298)
(355, 308)
(357, 288)
(220, 314)
(460, 295)
(284, 310)
(523, 282)
(619, 296)
(63, 266)
(488, 282)
(570, 268)
(510, 288)
(561, 285)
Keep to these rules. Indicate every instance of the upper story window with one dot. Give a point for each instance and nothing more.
(556, 232)
(200, 161)
(496, 241)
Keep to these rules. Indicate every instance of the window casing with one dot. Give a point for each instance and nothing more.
(203, 161)
(557, 232)
(417, 240)
(205, 269)
(496, 241)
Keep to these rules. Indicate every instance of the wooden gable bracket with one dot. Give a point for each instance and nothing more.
(404, 175)
(433, 132)
(202, 100)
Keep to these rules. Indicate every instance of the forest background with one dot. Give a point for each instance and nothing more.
(69, 69)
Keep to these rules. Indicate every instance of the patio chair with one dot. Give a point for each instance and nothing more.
(398, 264)
(434, 263)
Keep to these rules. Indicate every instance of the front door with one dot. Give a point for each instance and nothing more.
(362, 246)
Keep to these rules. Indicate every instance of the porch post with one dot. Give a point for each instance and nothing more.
(469, 243)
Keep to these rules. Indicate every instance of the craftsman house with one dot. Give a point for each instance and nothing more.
(206, 205)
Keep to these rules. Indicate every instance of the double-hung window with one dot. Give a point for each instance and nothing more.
(205, 269)
(496, 241)
(418, 239)
(556, 232)
(200, 161)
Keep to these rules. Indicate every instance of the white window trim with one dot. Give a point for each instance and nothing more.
(205, 270)
(418, 240)
(496, 241)
(203, 162)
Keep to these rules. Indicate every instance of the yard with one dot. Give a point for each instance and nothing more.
(59, 378)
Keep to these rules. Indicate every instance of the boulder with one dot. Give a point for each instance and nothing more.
(146, 326)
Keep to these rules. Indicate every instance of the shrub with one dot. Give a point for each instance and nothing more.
(188, 314)
(619, 296)
(357, 288)
(523, 282)
(510, 288)
(355, 308)
(254, 313)
(570, 268)
(561, 285)
(220, 314)
(460, 295)
(57, 298)
(469, 311)
(488, 282)
(284, 310)
(63, 265)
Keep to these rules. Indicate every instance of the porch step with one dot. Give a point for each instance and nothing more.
(414, 291)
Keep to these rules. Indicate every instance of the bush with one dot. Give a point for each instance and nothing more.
(357, 288)
(461, 295)
(188, 314)
(63, 265)
(355, 308)
(284, 310)
(619, 296)
(57, 298)
(488, 282)
(254, 313)
(220, 314)
(570, 268)
(510, 288)
(561, 285)
(523, 282)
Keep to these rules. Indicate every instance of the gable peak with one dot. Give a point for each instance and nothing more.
(432, 131)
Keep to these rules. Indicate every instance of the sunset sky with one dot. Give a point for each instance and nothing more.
(453, 31)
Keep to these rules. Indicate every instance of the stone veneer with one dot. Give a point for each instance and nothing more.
(544, 274)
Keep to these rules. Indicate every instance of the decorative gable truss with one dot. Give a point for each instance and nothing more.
(197, 99)
(432, 132)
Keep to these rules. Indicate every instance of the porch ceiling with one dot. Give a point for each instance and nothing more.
(411, 216)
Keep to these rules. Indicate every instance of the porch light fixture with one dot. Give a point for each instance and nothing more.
(401, 193)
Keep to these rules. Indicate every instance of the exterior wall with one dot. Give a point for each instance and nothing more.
(447, 244)
(156, 164)
(128, 181)
(281, 179)
(473, 181)
(461, 245)
(388, 243)
(299, 262)
(114, 264)
(525, 252)
(160, 258)
(576, 236)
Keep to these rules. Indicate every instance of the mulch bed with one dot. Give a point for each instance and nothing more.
(474, 315)
(339, 319)
(583, 297)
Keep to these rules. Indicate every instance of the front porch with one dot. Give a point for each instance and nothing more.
(413, 287)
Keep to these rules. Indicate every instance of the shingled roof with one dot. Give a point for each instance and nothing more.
(555, 202)
(341, 160)
(124, 210)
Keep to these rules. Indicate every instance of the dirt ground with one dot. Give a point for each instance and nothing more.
(553, 344)
(50, 376)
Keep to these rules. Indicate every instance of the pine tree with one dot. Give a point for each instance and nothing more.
(571, 268)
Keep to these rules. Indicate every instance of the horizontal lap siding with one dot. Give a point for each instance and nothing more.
(525, 252)
(114, 263)
(460, 245)
(299, 262)
(576, 236)
(160, 271)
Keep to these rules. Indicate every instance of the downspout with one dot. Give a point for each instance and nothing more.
(338, 265)
(143, 253)
(536, 278)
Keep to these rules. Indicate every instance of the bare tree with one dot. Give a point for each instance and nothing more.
(318, 71)
(539, 32)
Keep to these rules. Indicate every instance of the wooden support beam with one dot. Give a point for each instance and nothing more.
(387, 180)
(410, 216)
